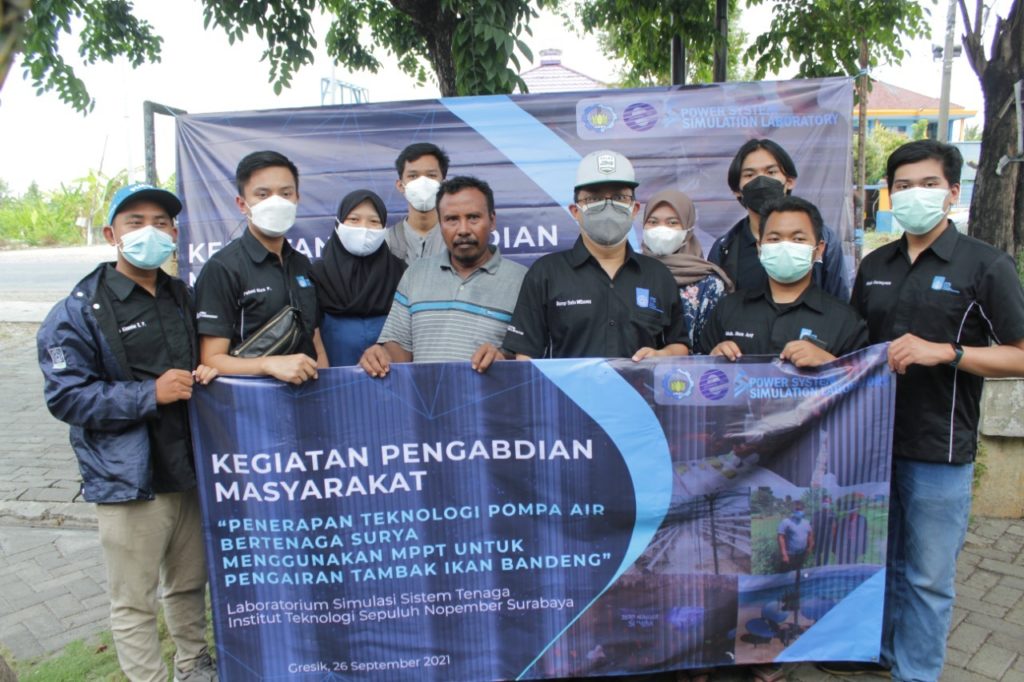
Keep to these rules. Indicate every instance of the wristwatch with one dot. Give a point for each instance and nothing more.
(959, 350)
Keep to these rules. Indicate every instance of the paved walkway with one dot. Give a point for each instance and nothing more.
(52, 578)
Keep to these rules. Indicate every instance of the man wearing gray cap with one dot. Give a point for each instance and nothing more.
(600, 298)
(119, 357)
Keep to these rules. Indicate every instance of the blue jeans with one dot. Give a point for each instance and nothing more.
(928, 513)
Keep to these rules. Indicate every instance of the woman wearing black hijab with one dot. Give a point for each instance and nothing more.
(356, 278)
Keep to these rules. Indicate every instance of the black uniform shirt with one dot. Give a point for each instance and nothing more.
(156, 339)
(759, 326)
(750, 274)
(568, 307)
(960, 290)
(243, 285)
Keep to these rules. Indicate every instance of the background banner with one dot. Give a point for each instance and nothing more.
(554, 518)
(527, 147)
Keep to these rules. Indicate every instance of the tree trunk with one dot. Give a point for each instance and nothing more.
(13, 14)
(862, 135)
(437, 26)
(997, 206)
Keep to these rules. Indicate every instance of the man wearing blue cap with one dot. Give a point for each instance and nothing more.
(119, 357)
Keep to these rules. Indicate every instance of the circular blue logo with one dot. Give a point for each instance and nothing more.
(640, 116)
(714, 384)
(678, 383)
(599, 117)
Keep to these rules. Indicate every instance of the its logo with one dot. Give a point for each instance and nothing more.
(640, 117)
(741, 384)
(714, 384)
(599, 118)
(940, 283)
(678, 383)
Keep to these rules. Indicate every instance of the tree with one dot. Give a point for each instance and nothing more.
(472, 46)
(35, 29)
(997, 205)
(640, 33)
(881, 142)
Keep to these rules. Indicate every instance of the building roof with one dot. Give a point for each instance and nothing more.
(553, 76)
(887, 99)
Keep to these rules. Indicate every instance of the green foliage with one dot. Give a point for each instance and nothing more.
(919, 130)
(39, 218)
(972, 133)
(835, 38)
(471, 46)
(880, 143)
(108, 30)
(640, 33)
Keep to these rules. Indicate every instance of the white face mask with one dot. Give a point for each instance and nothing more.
(919, 209)
(421, 193)
(663, 240)
(358, 240)
(273, 216)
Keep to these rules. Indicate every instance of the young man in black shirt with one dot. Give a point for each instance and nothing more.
(760, 172)
(791, 317)
(953, 309)
(120, 360)
(254, 277)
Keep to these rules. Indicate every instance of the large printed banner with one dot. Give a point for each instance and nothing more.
(547, 519)
(527, 147)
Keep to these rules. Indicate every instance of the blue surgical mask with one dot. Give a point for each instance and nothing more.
(147, 247)
(787, 262)
(798, 515)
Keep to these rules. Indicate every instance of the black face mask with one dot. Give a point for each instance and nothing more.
(760, 191)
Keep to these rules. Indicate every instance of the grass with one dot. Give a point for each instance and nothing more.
(93, 660)
(872, 240)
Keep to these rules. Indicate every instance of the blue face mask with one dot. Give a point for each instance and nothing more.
(146, 248)
(798, 515)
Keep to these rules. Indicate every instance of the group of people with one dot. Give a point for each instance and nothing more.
(122, 353)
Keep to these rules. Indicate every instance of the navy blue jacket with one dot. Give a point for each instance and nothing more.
(88, 385)
(830, 275)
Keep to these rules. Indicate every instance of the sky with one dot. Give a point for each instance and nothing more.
(44, 140)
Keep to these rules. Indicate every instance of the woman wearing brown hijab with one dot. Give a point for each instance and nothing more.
(669, 218)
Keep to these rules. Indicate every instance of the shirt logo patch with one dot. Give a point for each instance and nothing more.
(809, 335)
(256, 290)
(203, 315)
(878, 283)
(572, 301)
(643, 297)
(303, 281)
(57, 357)
(940, 283)
(740, 335)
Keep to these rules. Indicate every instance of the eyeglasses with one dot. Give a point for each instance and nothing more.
(617, 198)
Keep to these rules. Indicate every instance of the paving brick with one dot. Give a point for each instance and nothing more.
(968, 638)
(1003, 567)
(1008, 642)
(992, 661)
(1004, 596)
(994, 624)
(976, 606)
(983, 579)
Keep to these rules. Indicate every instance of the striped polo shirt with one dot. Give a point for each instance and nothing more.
(440, 317)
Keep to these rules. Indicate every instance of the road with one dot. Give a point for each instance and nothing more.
(32, 280)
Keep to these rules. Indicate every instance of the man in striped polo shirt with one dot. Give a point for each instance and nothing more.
(456, 305)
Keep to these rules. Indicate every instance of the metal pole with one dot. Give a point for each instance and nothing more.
(149, 134)
(947, 73)
(678, 61)
(722, 47)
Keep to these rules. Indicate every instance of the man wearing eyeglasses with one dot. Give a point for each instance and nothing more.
(600, 298)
